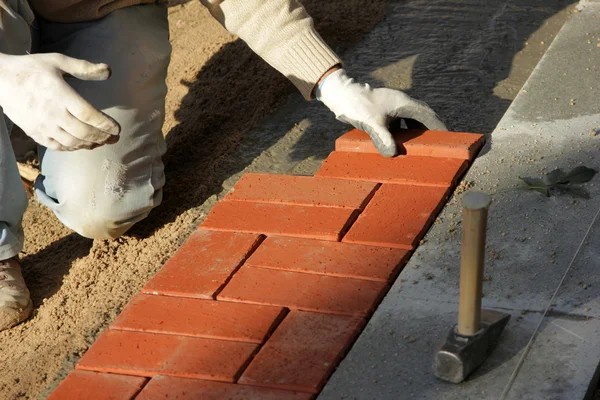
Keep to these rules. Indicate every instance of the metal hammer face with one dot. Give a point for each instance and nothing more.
(460, 355)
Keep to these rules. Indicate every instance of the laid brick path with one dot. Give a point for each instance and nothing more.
(268, 295)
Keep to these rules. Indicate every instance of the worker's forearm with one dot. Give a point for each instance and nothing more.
(282, 33)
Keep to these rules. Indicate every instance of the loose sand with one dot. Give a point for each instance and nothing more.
(218, 90)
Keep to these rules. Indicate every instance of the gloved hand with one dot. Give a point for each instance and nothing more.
(372, 110)
(35, 96)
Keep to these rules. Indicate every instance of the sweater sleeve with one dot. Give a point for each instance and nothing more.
(282, 33)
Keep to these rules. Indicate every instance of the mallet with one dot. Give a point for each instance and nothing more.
(472, 340)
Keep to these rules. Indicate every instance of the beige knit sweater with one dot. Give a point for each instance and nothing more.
(280, 31)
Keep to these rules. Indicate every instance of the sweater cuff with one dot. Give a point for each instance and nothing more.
(307, 61)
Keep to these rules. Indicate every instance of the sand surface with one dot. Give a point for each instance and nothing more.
(219, 91)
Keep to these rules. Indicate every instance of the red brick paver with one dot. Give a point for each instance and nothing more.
(203, 318)
(149, 354)
(418, 143)
(412, 170)
(202, 264)
(398, 216)
(303, 351)
(328, 258)
(302, 190)
(85, 385)
(303, 291)
(276, 219)
(168, 387)
(264, 300)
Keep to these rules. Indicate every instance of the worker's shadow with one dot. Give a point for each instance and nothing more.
(42, 280)
(452, 59)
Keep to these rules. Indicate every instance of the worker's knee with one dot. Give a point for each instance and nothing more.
(106, 223)
(105, 219)
(105, 215)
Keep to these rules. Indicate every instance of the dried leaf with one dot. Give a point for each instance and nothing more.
(579, 174)
(536, 184)
(555, 176)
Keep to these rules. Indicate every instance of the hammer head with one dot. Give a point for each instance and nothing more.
(461, 355)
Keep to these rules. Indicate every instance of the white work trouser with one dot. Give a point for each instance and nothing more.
(98, 193)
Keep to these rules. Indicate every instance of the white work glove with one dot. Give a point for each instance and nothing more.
(35, 96)
(373, 110)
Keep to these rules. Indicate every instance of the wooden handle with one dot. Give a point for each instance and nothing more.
(474, 227)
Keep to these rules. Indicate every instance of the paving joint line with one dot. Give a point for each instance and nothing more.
(517, 369)
(256, 245)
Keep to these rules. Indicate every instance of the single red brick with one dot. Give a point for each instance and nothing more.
(414, 142)
(149, 354)
(398, 216)
(85, 385)
(412, 170)
(169, 387)
(302, 190)
(280, 219)
(328, 258)
(203, 318)
(202, 264)
(303, 291)
(303, 351)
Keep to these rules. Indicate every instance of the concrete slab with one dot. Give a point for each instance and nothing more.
(580, 292)
(531, 241)
(394, 356)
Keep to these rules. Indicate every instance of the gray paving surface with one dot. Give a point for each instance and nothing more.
(531, 241)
